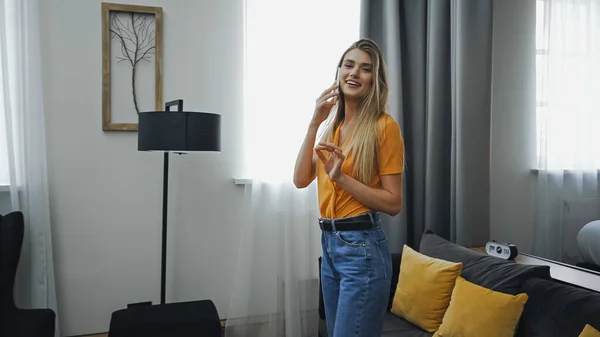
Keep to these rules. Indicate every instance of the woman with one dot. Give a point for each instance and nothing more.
(358, 166)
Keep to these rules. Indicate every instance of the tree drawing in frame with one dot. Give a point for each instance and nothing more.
(131, 62)
(136, 35)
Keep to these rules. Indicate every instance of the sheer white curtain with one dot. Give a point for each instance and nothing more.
(23, 148)
(568, 74)
(291, 54)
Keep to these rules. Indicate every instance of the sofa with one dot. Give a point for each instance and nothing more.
(552, 309)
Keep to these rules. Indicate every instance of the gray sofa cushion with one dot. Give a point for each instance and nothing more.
(396, 326)
(556, 309)
(485, 270)
(393, 326)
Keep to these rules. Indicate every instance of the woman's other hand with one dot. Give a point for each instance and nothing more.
(332, 163)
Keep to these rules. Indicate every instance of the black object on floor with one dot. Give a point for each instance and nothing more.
(18, 321)
(181, 319)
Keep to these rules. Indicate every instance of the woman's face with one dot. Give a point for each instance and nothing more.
(356, 74)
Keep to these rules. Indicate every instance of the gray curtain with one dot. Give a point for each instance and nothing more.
(439, 55)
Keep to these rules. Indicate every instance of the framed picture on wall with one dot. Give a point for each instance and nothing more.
(132, 44)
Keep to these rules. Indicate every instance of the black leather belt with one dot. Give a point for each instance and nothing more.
(355, 223)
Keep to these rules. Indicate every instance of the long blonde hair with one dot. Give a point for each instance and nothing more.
(363, 141)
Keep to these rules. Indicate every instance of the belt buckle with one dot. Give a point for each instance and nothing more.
(322, 225)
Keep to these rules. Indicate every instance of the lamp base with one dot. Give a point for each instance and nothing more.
(193, 318)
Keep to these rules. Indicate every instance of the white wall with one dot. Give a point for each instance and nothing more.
(512, 193)
(106, 196)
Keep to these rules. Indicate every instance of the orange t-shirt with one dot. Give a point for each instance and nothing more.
(334, 201)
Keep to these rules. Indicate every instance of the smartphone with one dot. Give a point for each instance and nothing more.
(337, 78)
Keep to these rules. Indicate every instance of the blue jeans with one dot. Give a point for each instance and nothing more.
(355, 275)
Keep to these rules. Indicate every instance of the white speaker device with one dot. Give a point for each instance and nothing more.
(506, 251)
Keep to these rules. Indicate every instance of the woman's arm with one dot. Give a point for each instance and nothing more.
(306, 162)
(305, 169)
(387, 199)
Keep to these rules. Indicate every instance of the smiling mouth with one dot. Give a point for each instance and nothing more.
(352, 84)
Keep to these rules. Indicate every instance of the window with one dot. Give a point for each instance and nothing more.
(568, 84)
(4, 167)
(291, 54)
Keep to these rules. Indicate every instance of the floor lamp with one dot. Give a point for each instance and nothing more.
(178, 132)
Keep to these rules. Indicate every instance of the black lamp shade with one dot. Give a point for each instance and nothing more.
(179, 131)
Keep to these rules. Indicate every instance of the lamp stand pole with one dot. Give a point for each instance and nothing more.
(163, 272)
(163, 267)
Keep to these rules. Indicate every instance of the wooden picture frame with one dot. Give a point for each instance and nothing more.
(132, 37)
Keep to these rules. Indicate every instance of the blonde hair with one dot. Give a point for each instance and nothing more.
(363, 141)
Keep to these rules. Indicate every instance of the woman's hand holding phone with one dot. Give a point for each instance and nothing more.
(326, 101)
(324, 104)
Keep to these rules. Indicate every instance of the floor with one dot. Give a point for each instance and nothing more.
(106, 335)
(97, 335)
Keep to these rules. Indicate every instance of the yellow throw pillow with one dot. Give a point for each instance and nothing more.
(424, 288)
(474, 309)
(589, 331)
